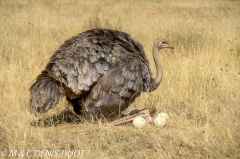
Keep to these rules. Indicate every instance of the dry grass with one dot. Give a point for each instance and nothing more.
(200, 89)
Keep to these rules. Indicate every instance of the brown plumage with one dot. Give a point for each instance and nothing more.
(100, 72)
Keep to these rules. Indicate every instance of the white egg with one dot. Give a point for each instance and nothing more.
(161, 119)
(139, 122)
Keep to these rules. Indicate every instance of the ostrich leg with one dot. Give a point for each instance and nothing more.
(142, 113)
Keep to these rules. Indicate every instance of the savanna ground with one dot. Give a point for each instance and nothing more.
(199, 91)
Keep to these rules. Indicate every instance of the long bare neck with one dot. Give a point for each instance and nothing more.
(156, 82)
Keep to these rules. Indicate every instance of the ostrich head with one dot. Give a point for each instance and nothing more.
(161, 43)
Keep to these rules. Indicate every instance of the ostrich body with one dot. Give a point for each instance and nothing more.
(100, 72)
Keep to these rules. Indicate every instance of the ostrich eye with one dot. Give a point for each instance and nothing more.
(164, 42)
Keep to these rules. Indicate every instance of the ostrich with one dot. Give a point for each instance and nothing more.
(101, 72)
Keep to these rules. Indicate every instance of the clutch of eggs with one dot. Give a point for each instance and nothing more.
(160, 120)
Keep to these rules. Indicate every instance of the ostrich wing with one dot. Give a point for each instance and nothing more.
(107, 61)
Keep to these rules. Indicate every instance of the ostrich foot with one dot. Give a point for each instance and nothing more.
(142, 113)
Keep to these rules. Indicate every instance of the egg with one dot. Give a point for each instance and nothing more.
(161, 119)
(139, 122)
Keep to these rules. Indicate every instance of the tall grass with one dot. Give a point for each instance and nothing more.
(199, 91)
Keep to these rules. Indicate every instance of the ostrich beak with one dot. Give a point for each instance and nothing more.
(171, 47)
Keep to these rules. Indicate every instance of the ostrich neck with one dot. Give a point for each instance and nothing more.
(156, 82)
